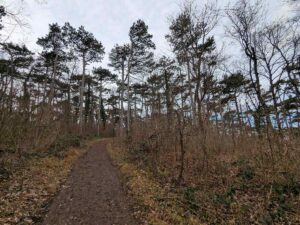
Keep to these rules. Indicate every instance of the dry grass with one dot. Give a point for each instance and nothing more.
(24, 197)
(157, 204)
(228, 178)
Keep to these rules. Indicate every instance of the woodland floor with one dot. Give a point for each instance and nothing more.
(92, 193)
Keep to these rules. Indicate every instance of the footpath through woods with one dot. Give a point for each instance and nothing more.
(92, 194)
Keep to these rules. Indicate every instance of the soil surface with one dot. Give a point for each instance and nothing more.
(92, 194)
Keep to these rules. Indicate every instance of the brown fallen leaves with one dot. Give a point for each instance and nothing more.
(156, 203)
(238, 194)
(24, 197)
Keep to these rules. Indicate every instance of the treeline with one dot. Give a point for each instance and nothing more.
(199, 103)
(198, 86)
(261, 90)
(220, 130)
(49, 93)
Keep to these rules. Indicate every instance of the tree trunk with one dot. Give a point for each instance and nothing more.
(193, 108)
(129, 104)
(168, 99)
(81, 95)
(88, 103)
(11, 85)
(51, 96)
(182, 150)
(122, 100)
(238, 111)
(99, 108)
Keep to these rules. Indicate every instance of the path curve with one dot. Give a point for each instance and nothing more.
(92, 195)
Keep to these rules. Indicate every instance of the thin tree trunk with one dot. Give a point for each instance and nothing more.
(122, 101)
(11, 85)
(99, 108)
(129, 104)
(182, 150)
(238, 111)
(51, 96)
(81, 96)
(193, 108)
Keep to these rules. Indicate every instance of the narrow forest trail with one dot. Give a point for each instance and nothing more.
(92, 195)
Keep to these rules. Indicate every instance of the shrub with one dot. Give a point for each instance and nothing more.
(62, 143)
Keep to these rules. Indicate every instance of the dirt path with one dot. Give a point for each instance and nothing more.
(92, 194)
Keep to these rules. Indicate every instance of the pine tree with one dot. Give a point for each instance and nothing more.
(89, 50)
(103, 76)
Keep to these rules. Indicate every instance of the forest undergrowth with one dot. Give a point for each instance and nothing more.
(214, 177)
(28, 187)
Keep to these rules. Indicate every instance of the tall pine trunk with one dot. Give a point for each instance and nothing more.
(81, 120)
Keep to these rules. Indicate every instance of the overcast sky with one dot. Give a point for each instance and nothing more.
(109, 20)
